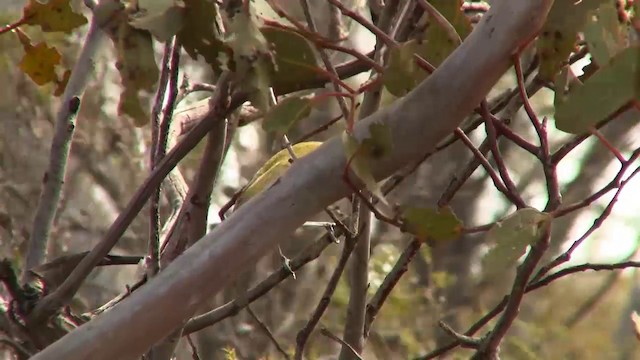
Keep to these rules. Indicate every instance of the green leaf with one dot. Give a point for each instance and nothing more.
(613, 86)
(199, 35)
(358, 156)
(511, 237)
(251, 55)
(295, 60)
(379, 143)
(562, 82)
(129, 104)
(603, 33)
(558, 35)
(402, 73)
(452, 11)
(286, 113)
(162, 18)
(440, 225)
(443, 279)
(273, 169)
(135, 60)
(55, 15)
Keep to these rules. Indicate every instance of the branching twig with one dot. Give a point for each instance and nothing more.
(381, 35)
(159, 135)
(512, 191)
(324, 331)
(325, 58)
(485, 163)
(390, 280)
(534, 285)
(489, 347)
(566, 256)
(359, 283)
(464, 340)
(232, 308)
(325, 299)
(268, 332)
(194, 349)
(52, 302)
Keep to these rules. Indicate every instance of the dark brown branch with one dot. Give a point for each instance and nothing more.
(489, 347)
(390, 280)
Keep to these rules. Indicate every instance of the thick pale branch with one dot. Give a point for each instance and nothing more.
(60, 147)
(417, 123)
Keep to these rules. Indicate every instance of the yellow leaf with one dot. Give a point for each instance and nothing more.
(55, 15)
(39, 63)
(273, 169)
(439, 225)
(358, 156)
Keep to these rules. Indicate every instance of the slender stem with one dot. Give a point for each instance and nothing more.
(325, 299)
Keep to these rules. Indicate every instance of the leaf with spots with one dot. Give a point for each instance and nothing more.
(603, 34)
(440, 225)
(252, 57)
(402, 73)
(135, 60)
(360, 154)
(295, 60)
(558, 35)
(511, 236)
(55, 15)
(587, 104)
(379, 143)
(162, 18)
(199, 35)
(286, 113)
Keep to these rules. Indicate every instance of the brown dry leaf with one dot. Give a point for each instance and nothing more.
(135, 62)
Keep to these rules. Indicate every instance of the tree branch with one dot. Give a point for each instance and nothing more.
(359, 283)
(60, 146)
(446, 98)
(65, 292)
